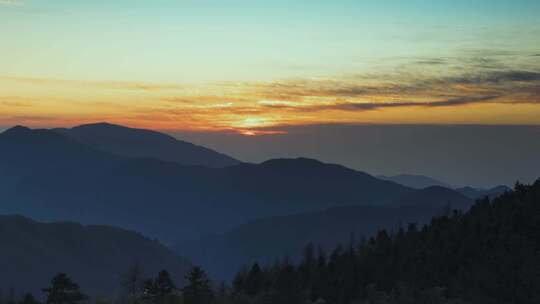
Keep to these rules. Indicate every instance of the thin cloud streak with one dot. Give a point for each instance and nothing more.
(249, 106)
(368, 106)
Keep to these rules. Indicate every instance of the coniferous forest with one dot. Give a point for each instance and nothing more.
(489, 254)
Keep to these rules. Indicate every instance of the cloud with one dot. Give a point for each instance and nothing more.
(431, 61)
(430, 104)
(497, 77)
(492, 83)
(423, 89)
(355, 95)
(368, 106)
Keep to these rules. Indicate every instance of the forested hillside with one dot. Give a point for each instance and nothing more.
(490, 254)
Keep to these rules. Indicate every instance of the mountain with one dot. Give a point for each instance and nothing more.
(414, 181)
(140, 143)
(312, 182)
(475, 193)
(268, 239)
(94, 256)
(60, 178)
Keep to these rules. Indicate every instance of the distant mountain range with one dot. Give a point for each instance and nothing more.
(94, 256)
(268, 239)
(49, 175)
(475, 193)
(421, 182)
(154, 184)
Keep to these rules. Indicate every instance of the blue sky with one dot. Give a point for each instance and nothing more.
(205, 40)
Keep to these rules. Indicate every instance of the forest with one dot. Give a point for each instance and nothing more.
(488, 254)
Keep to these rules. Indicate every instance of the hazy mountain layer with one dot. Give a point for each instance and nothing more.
(57, 177)
(94, 256)
(271, 238)
(414, 181)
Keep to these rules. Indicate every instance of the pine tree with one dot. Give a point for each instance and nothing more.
(29, 299)
(131, 281)
(158, 289)
(254, 281)
(63, 291)
(198, 290)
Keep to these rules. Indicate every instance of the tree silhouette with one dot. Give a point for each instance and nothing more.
(63, 291)
(132, 281)
(158, 289)
(198, 290)
(254, 280)
(29, 299)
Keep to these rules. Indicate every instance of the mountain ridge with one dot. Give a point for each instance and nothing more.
(414, 180)
(141, 143)
(73, 180)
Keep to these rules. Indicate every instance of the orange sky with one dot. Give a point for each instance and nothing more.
(499, 97)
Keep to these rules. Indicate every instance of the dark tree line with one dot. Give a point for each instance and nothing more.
(159, 290)
(162, 289)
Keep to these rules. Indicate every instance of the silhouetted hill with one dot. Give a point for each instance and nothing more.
(94, 256)
(475, 193)
(267, 239)
(140, 143)
(312, 182)
(414, 181)
(63, 178)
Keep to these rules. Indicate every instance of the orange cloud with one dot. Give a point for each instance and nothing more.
(254, 108)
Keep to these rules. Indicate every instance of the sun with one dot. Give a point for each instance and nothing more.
(254, 122)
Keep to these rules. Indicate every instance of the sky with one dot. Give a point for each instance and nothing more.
(239, 65)
(255, 72)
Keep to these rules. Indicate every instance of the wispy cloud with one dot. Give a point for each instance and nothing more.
(246, 107)
(368, 106)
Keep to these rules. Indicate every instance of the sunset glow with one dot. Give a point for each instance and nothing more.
(119, 63)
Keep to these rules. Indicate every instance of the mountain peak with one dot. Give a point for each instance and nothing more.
(17, 130)
(101, 124)
(22, 134)
(143, 143)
